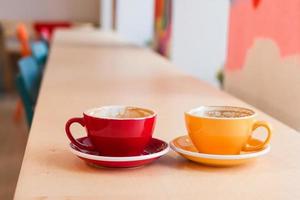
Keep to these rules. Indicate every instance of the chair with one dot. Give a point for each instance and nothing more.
(27, 102)
(31, 74)
(23, 38)
(39, 51)
(45, 29)
(28, 82)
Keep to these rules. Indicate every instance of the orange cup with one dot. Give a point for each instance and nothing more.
(224, 129)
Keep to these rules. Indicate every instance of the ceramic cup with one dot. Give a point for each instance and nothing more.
(224, 129)
(115, 130)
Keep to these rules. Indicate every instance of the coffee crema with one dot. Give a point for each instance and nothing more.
(222, 112)
(120, 112)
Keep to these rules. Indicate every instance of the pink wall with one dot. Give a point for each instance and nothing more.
(263, 62)
(278, 20)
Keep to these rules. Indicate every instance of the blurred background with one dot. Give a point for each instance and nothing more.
(249, 48)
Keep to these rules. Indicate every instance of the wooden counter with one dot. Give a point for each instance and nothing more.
(82, 76)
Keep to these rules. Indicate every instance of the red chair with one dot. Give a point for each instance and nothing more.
(46, 29)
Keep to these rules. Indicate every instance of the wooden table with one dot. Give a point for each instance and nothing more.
(82, 76)
(88, 37)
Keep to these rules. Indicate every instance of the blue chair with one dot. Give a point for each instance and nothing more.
(26, 99)
(39, 51)
(28, 83)
(31, 73)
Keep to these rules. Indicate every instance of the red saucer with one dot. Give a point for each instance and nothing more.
(153, 151)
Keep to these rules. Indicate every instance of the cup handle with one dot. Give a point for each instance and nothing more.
(80, 121)
(257, 124)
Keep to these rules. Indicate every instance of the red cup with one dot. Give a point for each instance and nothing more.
(115, 130)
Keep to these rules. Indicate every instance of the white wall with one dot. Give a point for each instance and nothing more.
(199, 36)
(68, 10)
(135, 20)
(199, 32)
(106, 14)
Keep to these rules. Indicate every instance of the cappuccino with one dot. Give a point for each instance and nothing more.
(121, 112)
(222, 112)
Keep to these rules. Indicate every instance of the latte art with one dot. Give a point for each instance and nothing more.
(132, 113)
(121, 112)
(226, 114)
(222, 112)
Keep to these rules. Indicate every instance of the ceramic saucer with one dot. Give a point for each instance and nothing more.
(184, 146)
(153, 151)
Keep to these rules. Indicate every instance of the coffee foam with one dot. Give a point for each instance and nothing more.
(120, 112)
(222, 112)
